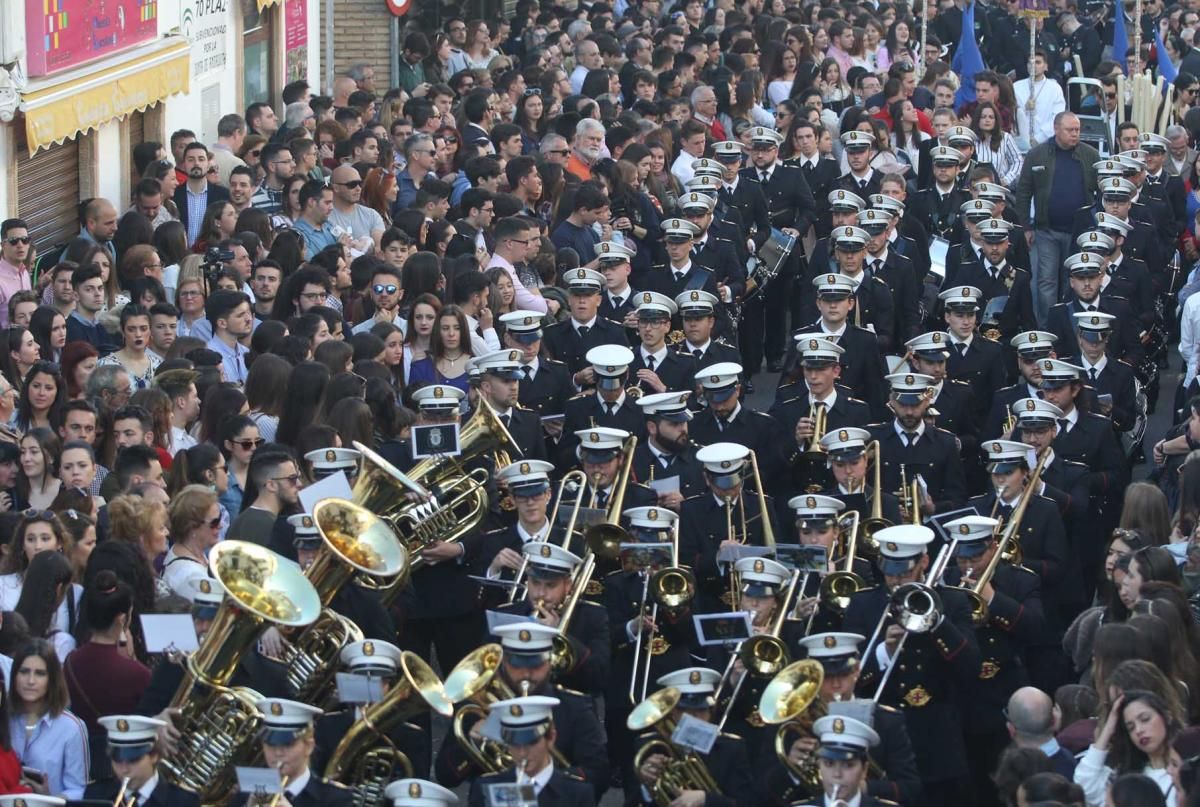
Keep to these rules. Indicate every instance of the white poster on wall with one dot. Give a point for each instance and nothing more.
(205, 23)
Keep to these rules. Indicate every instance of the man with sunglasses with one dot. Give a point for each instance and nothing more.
(277, 481)
(386, 293)
(364, 224)
(14, 252)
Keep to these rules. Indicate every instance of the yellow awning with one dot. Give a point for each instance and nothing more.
(262, 4)
(86, 98)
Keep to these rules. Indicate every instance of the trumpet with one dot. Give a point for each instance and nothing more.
(910, 497)
(119, 801)
(809, 467)
(673, 588)
(838, 587)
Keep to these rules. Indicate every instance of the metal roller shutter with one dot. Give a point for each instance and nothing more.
(48, 193)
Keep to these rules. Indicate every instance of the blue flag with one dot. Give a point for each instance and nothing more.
(1120, 42)
(967, 59)
(1167, 70)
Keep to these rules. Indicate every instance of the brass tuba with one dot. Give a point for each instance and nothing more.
(218, 723)
(684, 770)
(366, 760)
(354, 541)
(792, 702)
(438, 499)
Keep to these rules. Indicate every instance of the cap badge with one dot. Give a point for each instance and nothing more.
(839, 726)
(276, 709)
(1095, 320)
(725, 463)
(909, 380)
(841, 195)
(830, 641)
(652, 514)
(368, 648)
(978, 205)
(527, 321)
(1030, 405)
(581, 274)
(594, 437)
(1047, 365)
(330, 455)
(1093, 237)
(759, 566)
(713, 379)
(694, 677)
(205, 586)
(891, 547)
(937, 338)
(524, 636)
(1033, 337)
(438, 392)
(810, 503)
(963, 529)
(966, 292)
(830, 279)
(515, 710)
(694, 296)
(122, 725)
(307, 521)
(524, 467)
(996, 448)
(605, 247)
(545, 551)
(414, 790)
(843, 435)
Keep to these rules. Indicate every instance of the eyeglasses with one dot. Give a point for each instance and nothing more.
(357, 183)
(256, 153)
(560, 152)
(249, 445)
(17, 239)
(291, 479)
(191, 293)
(533, 91)
(390, 288)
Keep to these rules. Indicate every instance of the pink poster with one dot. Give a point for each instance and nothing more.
(61, 34)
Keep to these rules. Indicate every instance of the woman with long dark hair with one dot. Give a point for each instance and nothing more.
(79, 359)
(530, 116)
(49, 329)
(449, 350)
(37, 531)
(633, 214)
(219, 223)
(47, 585)
(266, 393)
(239, 439)
(305, 389)
(46, 736)
(23, 353)
(994, 145)
(135, 354)
(37, 479)
(43, 395)
(1136, 738)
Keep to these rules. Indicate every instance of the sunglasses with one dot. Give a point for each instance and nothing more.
(291, 479)
(533, 91)
(357, 183)
(256, 153)
(17, 239)
(450, 141)
(390, 288)
(39, 515)
(214, 523)
(249, 445)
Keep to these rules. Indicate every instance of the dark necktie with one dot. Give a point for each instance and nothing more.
(722, 423)
(678, 276)
(666, 460)
(602, 499)
(610, 409)
(650, 363)
(1006, 511)
(583, 331)
(1092, 373)
(698, 353)
(527, 371)
(862, 184)
(616, 301)
(1064, 425)
(1089, 308)
(876, 265)
(910, 439)
(961, 347)
(764, 176)
(506, 419)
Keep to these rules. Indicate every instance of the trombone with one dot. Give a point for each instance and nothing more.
(875, 522)
(837, 587)
(763, 515)
(763, 655)
(672, 588)
(572, 479)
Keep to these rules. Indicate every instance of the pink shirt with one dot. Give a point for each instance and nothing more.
(12, 280)
(525, 300)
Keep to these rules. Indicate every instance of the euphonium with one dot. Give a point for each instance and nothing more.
(792, 701)
(354, 541)
(876, 522)
(838, 587)
(437, 500)
(476, 679)
(366, 760)
(217, 722)
(683, 770)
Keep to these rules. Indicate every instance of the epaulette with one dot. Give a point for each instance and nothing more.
(552, 362)
(787, 401)
(985, 338)
(878, 425)
(570, 774)
(496, 531)
(1025, 569)
(882, 707)
(614, 571)
(573, 692)
(1127, 364)
(720, 340)
(957, 382)
(612, 322)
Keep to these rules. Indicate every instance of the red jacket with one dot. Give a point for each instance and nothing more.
(10, 773)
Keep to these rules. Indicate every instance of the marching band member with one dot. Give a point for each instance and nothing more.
(666, 642)
(526, 669)
(287, 745)
(378, 660)
(328, 461)
(418, 793)
(528, 482)
(436, 404)
(714, 520)
(1031, 347)
(847, 451)
(974, 359)
(500, 375)
(928, 354)
(726, 419)
(727, 761)
(545, 384)
(529, 731)
(550, 584)
(928, 678)
(1065, 482)
(685, 244)
(1111, 379)
(873, 307)
(667, 451)
(909, 442)
(657, 368)
(1086, 270)
(616, 301)
(818, 522)
(134, 752)
(820, 359)
(609, 405)
(845, 745)
(1042, 537)
(894, 269)
(843, 206)
(1013, 623)
(861, 359)
(1125, 274)
(838, 655)
(601, 457)
(570, 340)
(697, 313)
(937, 208)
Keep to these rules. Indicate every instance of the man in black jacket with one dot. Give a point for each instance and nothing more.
(133, 749)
